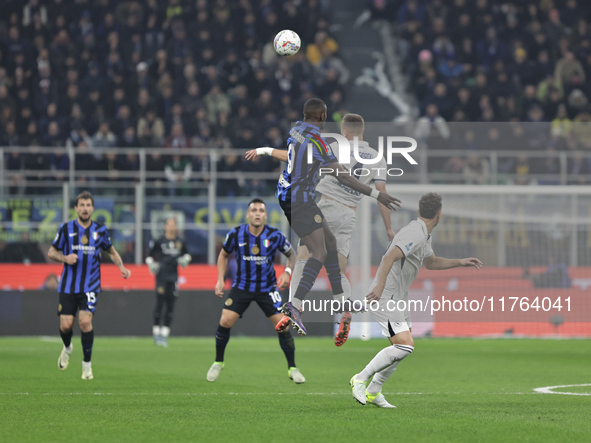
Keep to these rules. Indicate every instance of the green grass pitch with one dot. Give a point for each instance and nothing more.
(456, 390)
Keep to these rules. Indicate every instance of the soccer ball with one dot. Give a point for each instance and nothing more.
(287, 42)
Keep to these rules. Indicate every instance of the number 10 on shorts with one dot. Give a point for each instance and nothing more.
(275, 298)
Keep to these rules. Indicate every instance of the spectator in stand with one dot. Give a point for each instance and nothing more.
(521, 171)
(579, 170)
(177, 138)
(432, 126)
(476, 170)
(569, 73)
(322, 43)
(104, 137)
(178, 172)
(561, 125)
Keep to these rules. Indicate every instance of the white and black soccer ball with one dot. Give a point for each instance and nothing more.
(287, 42)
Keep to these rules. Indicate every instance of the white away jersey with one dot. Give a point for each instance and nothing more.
(330, 186)
(415, 242)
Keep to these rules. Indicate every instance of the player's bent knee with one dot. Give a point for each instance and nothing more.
(319, 254)
(402, 338)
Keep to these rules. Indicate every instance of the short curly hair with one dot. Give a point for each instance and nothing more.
(430, 205)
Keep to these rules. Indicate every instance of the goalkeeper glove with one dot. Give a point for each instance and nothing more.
(184, 260)
(152, 265)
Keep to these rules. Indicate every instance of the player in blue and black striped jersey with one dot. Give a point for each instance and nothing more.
(296, 193)
(254, 245)
(78, 245)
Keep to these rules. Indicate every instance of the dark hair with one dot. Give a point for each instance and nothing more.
(84, 195)
(354, 123)
(430, 205)
(314, 107)
(255, 200)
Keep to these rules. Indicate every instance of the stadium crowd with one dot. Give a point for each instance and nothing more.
(97, 74)
(487, 61)
(101, 74)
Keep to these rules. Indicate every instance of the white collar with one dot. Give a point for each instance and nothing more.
(424, 227)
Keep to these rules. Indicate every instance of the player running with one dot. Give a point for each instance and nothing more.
(295, 191)
(166, 254)
(78, 246)
(338, 204)
(255, 245)
(399, 267)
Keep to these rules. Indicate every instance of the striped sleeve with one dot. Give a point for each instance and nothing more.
(59, 242)
(284, 245)
(322, 150)
(230, 241)
(106, 240)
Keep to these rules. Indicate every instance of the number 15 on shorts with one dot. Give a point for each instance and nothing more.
(91, 301)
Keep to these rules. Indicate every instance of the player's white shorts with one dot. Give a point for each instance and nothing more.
(391, 320)
(341, 221)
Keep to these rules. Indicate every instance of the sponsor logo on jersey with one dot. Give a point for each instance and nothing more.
(85, 249)
(258, 259)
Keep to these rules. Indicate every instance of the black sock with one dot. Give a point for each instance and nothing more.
(309, 275)
(222, 337)
(169, 310)
(87, 341)
(334, 272)
(66, 337)
(288, 346)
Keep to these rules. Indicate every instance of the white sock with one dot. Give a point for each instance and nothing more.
(165, 330)
(296, 276)
(296, 303)
(381, 377)
(86, 364)
(68, 348)
(386, 357)
(155, 331)
(346, 290)
(346, 286)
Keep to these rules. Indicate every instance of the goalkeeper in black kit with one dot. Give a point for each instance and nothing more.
(166, 254)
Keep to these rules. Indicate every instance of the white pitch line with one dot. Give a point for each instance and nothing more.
(550, 389)
(252, 393)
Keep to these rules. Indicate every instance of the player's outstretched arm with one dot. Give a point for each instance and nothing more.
(344, 177)
(222, 265)
(283, 281)
(434, 263)
(388, 261)
(275, 153)
(116, 258)
(59, 257)
(381, 186)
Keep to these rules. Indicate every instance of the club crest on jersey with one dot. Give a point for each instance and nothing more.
(84, 240)
(255, 250)
(409, 246)
(178, 245)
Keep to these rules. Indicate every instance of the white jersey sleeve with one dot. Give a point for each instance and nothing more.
(365, 173)
(409, 241)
